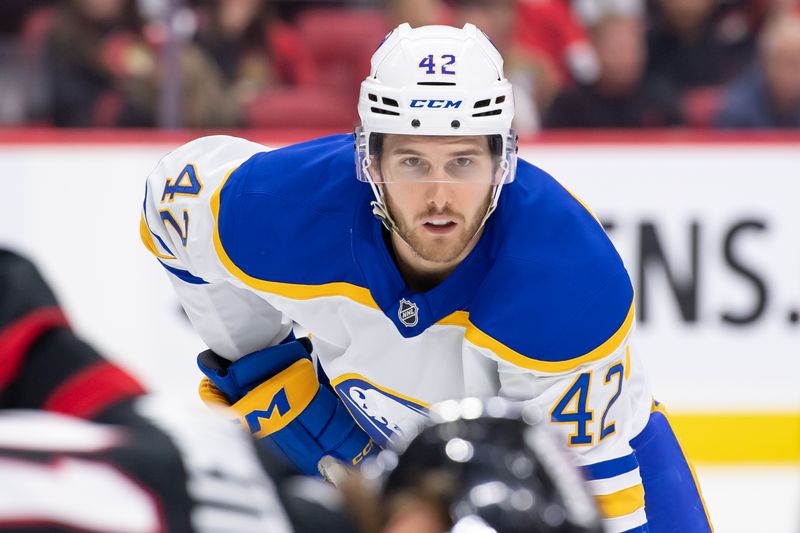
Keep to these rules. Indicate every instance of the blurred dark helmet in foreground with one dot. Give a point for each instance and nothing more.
(484, 466)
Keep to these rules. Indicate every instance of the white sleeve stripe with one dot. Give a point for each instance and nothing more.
(614, 484)
(625, 523)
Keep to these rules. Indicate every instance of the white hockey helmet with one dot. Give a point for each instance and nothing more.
(436, 80)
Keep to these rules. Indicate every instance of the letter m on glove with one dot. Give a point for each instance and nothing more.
(285, 396)
(279, 402)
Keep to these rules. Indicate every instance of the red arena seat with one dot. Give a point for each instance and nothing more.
(302, 108)
(341, 42)
(700, 106)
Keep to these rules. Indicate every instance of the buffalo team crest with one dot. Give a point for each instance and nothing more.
(408, 313)
(385, 416)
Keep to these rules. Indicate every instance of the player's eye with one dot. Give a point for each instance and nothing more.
(463, 162)
(412, 162)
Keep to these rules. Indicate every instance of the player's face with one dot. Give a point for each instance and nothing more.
(437, 213)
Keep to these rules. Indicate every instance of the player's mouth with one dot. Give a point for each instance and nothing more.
(439, 226)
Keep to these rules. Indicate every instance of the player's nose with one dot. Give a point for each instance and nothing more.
(437, 194)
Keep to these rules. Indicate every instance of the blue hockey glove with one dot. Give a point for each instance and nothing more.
(276, 394)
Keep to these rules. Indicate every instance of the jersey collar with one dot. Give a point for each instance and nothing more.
(410, 312)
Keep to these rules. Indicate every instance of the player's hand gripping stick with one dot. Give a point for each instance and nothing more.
(275, 393)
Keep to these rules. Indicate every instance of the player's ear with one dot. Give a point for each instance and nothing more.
(375, 169)
(498, 171)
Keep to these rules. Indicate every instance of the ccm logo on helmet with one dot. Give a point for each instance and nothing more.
(437, 104)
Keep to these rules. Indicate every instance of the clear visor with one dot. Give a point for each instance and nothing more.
(393, 158)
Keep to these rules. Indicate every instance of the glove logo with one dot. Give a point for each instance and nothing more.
(279, 402)
(363, 453)
(408, 313)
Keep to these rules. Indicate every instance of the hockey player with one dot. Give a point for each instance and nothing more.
(483, 466)
(82, 447)
(436, 267)
(44, 365)
(170, 471)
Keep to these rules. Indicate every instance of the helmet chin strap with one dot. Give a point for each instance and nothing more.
(381, 212)
(379, 208)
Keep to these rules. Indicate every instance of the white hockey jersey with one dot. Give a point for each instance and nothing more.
(161, 471)
(541, 310)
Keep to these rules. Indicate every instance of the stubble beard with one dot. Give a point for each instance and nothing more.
(439, 249)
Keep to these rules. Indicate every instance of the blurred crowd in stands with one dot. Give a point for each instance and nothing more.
(294, 64)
